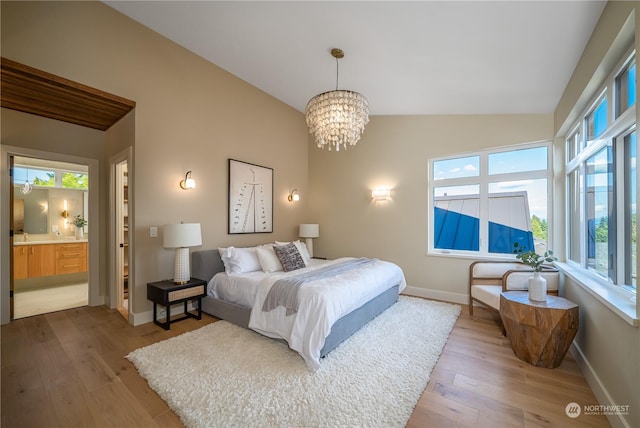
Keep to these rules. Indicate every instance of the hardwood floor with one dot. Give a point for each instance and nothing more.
(67, 369)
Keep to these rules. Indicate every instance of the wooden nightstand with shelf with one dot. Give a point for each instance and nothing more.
(167, 293)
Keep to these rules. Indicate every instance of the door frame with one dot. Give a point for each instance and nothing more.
(6, 249)
(114, 244)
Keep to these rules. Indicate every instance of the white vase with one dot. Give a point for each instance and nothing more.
(537, 288)
(79, 232)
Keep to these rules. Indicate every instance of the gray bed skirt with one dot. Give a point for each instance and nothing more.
(205, 264)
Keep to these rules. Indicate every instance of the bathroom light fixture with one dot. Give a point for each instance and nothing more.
(188, 182)
(337, 117)
(293, 196)
(26, 187)
(381, 194)
(64, 213)
(309, 231)
(181, 237)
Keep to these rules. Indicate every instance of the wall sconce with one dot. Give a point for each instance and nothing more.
(65, 213)
(188, 182)
(293, 196)
(381, 194)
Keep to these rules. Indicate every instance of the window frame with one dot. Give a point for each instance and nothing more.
(619, 126)
(483, 180)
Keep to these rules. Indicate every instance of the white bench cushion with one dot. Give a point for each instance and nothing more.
(488, 294)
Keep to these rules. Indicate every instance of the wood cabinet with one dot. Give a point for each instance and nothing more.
(33, 261)
(20, 262)
(71, 257)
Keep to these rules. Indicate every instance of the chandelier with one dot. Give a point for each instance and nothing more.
(26, 187)
(337, 117)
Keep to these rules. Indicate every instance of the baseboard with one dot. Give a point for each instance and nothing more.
(598, 388)
(462, 299)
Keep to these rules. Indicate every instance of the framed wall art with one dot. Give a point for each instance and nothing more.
(250, 198)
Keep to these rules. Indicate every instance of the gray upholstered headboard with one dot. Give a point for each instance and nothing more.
(205, 264)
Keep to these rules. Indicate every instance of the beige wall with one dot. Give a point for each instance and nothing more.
(394, 152)
(190, 115)
(608, 347)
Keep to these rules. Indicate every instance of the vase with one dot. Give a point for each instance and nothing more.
(537, 288)
(79, 232)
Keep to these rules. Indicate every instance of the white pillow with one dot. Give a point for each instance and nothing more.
(240, 260)
(302, 248)
(268, 258)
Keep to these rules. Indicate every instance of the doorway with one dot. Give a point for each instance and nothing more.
(121, 241)
(50, 248)
(122, 231)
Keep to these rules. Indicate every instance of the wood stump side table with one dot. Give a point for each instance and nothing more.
(540, 332)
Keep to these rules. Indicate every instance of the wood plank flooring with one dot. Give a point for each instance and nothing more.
(67, 369)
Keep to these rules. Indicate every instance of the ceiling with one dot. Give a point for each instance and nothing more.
(415, 57)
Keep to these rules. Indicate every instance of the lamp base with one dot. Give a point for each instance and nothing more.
(181, 272)
(309, 243)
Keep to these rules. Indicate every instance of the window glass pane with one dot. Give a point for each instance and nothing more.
(37, 177)
(630, 202)
(456, 168)
(73, 180)
(597, 120)
(574, 216)
(626, 88)
(599, 199)
(456, 218)
(518, 161)
(574, 145)
(518, 213)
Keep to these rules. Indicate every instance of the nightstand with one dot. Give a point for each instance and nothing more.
(167, 293)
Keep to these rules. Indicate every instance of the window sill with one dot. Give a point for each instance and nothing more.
(619, 300)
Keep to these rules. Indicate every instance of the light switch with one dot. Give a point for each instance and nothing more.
(153, 231)
(54, 228)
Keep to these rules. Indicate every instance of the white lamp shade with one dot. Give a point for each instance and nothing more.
(309, 231)
(182, 235)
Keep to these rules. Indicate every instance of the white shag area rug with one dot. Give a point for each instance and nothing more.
(222, 375)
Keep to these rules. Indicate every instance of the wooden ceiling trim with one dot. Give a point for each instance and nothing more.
(34, 91)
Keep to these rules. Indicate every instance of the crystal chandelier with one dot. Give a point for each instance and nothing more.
(337, 117)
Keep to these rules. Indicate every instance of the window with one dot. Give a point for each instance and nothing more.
(626, 88)
(50, 178)
(599, 211)
(601, 186)
(596, 121)
(75, 180)
(35, 176)
(483, 203)
(574, 144)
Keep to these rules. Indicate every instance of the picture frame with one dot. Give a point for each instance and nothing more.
(250, 198)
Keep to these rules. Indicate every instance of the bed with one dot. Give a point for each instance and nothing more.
(208, 264)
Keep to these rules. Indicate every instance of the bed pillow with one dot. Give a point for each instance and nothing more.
(240, 260)
(302, 248)
(268, 258)
(289, 257)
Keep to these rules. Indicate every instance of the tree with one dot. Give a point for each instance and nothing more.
(48, 182)
(539, 227)
(602, 230)
(72, 180)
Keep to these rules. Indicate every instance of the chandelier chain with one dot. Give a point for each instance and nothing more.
(337, 72)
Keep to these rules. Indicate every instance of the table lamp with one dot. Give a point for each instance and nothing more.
(309, 231)
(181, 237)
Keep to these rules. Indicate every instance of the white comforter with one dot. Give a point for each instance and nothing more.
(321, 302)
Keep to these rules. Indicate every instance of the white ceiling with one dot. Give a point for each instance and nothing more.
(416, 57)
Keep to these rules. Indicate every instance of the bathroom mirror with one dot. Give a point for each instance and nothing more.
(30, 212)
